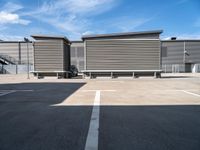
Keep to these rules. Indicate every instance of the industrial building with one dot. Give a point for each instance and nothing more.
(13, 56)
(120, 54)
(51, 56)
(133, 53)
(180, 55)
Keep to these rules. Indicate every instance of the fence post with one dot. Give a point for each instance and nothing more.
(16, 69)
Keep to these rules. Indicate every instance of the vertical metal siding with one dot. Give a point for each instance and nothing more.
(24, 53)
(77, 55)
(175, 52)
(122, 54)
(193, 49)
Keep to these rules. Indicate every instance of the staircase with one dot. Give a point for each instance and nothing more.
(6, 60)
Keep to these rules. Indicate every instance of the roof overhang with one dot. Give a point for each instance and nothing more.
(48, 37)
(121, 34)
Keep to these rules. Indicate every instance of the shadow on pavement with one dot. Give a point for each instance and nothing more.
(149, 127)
(29, 122)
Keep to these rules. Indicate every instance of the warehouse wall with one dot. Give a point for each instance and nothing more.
(193, 48)
(17, 50)
(172, 52)
(77, 55)
(48, 55)
(173, 55)
(122, 54)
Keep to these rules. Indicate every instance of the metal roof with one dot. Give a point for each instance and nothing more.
(14, 42)
(121, 34)
(50, 37)
(76, 41)
(182, 40)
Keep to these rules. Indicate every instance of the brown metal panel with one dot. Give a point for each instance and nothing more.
(123, 54)
(49, 55)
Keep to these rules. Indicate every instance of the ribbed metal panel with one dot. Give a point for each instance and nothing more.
(18, 51)
(122, 54)
(175, 52)
(193, 49)
(77, 55)
(24, 53)
(48, 55)
(10, 49)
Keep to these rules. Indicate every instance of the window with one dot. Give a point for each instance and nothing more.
(164, 51)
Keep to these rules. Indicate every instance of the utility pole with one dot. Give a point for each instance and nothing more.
(27, 42)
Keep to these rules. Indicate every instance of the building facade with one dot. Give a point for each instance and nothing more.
(123, 53)
(180, 55)
(51, 55)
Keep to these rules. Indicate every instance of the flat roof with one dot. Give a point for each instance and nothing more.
(50, 37)
(14, 42)
(121, 34)
(182, 40)
(77, 41)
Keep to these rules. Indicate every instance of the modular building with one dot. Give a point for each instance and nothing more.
(181, 55)
(51, 56)
(133, 53)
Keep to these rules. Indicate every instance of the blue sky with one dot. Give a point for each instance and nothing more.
(74, 18)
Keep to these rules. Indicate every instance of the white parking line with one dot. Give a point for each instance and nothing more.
(191, 93)
(5, 92)
(93, 133)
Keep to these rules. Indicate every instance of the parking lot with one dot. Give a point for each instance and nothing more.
(104, 114)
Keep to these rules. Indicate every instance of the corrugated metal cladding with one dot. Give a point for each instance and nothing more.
(77, 55)
(51, 55)
(126, 54)
(193, 49)
(175, 52)
(17, 51)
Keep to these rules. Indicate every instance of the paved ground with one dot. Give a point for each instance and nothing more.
(141, 114)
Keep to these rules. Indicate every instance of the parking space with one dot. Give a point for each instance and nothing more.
(100, 114)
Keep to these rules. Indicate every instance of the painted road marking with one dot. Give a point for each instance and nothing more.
(191, 93)
(2, 93)
(93, 133)
(5, 92)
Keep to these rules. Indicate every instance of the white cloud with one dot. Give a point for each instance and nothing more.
(126, 24)
(70, 16)
(75, 6)
(12, 18)
(11, 7)
(7, 37)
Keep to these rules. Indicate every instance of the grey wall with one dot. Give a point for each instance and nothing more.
(77, 55)
(123, 54)
(175, 52)
(17, 50)
(193, 48)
